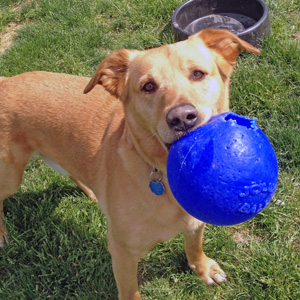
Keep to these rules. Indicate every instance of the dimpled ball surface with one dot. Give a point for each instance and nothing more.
(224, 172)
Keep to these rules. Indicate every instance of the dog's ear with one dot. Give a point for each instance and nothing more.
(111, 73)
(225, 43)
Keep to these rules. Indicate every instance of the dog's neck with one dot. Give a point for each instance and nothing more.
(147, 145)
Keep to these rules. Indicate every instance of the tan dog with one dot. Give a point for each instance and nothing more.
(110, 140)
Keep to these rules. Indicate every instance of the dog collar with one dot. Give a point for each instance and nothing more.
(156, 186)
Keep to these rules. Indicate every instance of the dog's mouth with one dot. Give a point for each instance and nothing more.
(168, 146)
(178, 136)
(175, 132)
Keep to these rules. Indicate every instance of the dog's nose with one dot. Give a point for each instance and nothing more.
(182, 118)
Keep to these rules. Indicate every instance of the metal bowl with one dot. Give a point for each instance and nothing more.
(248, 19)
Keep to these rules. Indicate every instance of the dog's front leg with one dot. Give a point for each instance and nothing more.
(124, 264)
(204, 267)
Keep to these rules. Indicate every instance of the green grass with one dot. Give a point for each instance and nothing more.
(58, 248)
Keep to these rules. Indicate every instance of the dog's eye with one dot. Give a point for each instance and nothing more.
(149, 87)
(198, 75)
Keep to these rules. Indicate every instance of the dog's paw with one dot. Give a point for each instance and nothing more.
(214, 274)
(210, 272)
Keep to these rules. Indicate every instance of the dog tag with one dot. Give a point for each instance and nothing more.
(156, 187)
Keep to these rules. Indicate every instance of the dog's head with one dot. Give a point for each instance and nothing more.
(171, 90)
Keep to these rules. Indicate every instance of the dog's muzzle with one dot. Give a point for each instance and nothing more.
(182, 119)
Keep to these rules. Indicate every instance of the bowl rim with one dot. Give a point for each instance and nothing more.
(240, 34)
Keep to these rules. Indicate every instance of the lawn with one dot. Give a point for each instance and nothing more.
(58, 248)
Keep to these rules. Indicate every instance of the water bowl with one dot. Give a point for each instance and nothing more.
(248, 19)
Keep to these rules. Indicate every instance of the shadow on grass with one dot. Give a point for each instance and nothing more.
(57, 247)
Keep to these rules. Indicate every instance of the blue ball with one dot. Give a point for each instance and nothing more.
(224, 172)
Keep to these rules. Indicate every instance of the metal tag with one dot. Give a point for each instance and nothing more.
(156, 187)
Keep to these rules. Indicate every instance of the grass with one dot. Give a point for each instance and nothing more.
(58, 248)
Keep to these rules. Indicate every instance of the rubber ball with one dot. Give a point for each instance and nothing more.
(224, 172)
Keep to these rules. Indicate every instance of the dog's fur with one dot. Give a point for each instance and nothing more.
(110, 138)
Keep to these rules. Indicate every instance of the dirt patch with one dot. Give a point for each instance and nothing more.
(243, 236)
(8, 33)
(19, 6)
(6, 38)
(296, 36)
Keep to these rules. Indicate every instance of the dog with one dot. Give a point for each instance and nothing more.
(113, 139)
